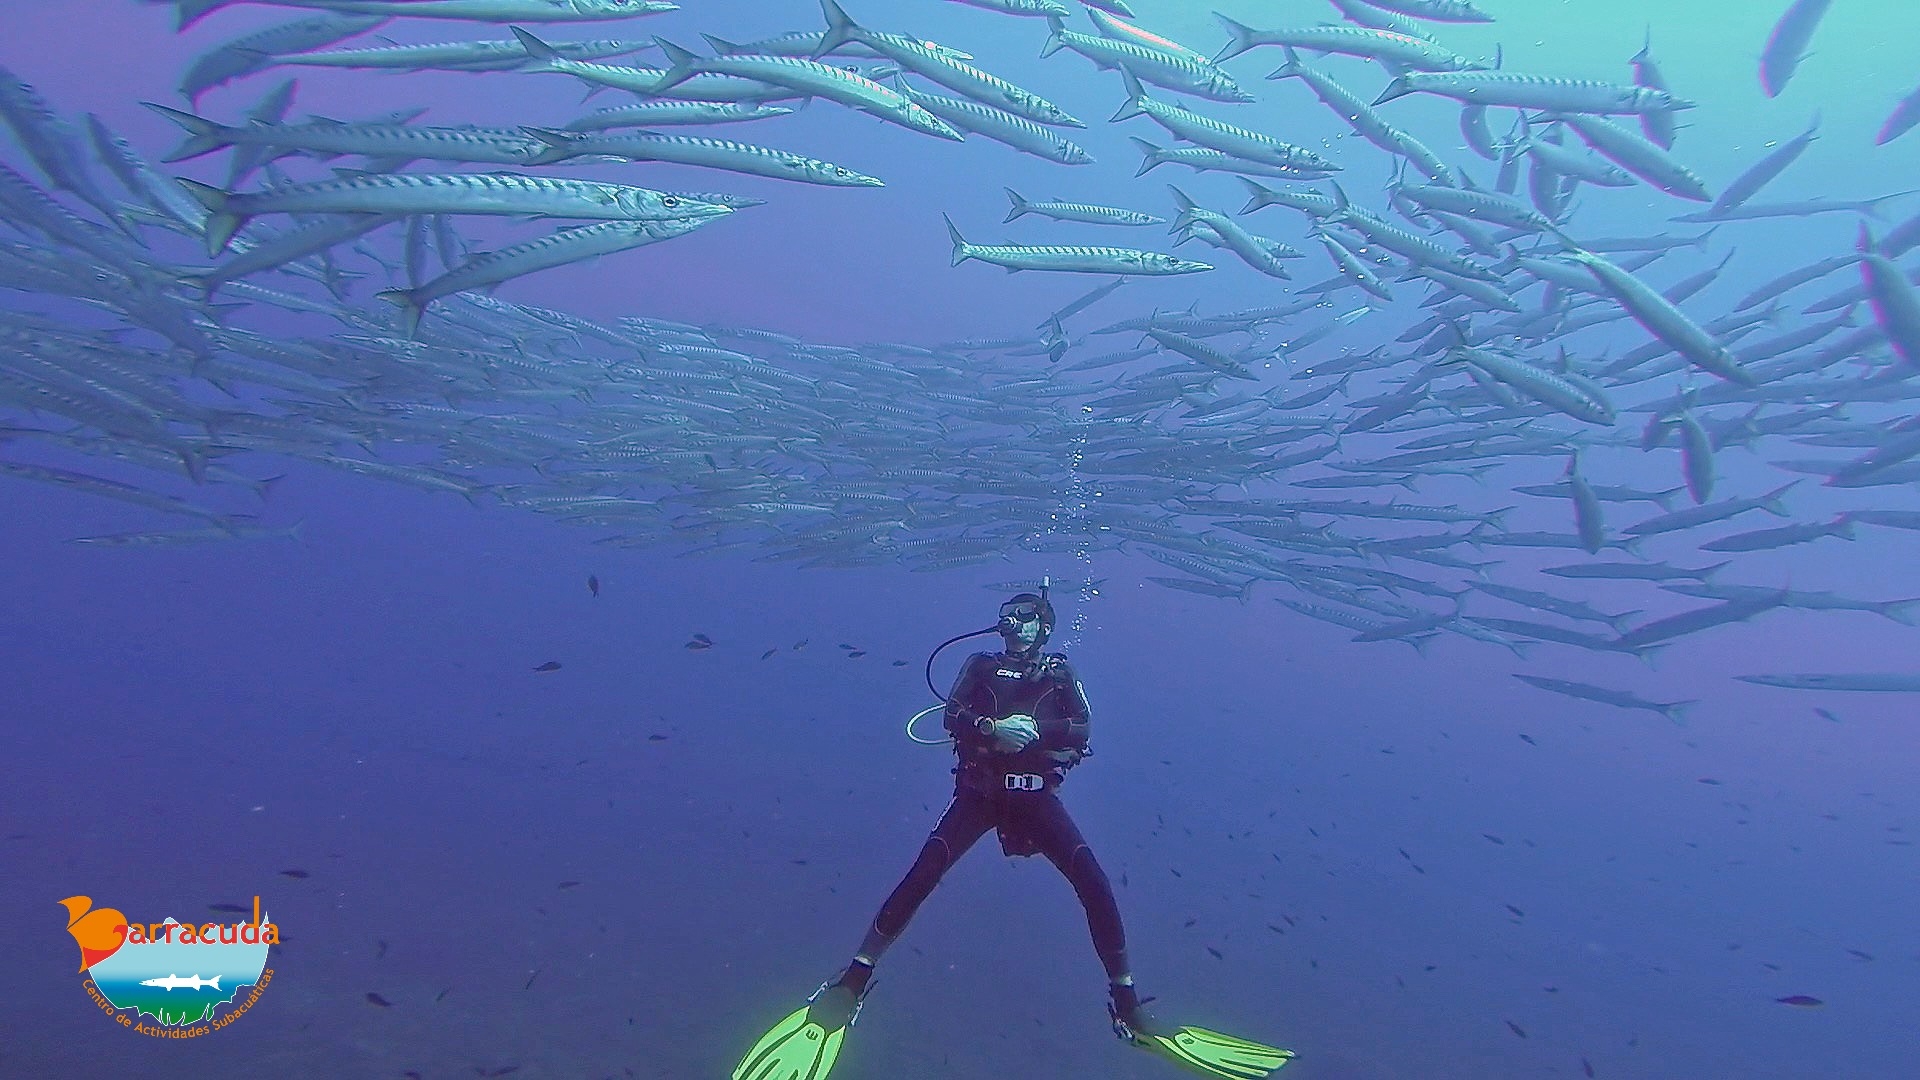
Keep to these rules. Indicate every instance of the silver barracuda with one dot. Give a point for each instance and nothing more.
(1002, 127)
(449, 193)
(939, 66)
(808, 77)
(489, 146)
(699, 150)
(675, 113)
(1148, 64)
(1086, 260)
(1215, 135)
(1399, 50)
(456, 55)
(558, 249)
(553, 11)
(1082, 212)
(1543, 92)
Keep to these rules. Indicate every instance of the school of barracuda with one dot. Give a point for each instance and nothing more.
(1148, 433)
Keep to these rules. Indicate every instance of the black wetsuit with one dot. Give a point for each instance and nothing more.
(1013, 793)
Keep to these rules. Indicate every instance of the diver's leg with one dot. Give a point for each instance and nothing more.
(1047, 822)
(966, 820)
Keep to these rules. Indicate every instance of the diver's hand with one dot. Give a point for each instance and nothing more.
(1014, 733)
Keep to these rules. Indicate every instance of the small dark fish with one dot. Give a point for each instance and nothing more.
(700, 641)
(593, 584)
(1826, 714)
(231, 909)
(769, 652)
(1517, 1029)
(569, 885)
(1587, 1068)
(380, 950)
(656, 738)
(376, 999)
(1858, 955)
(530, 978)
(801, 644)
(1528, 739)
(856, 654)
(899, 663)
(297, 875)
(504, 1070)
(1801, 1001)
(1517, 912)
(441, 996)
(551, 665)
(1276, 929)
(1492, 838)
(1709, 780)
(798, 862)
(844, 645)
(1189, 924)
(1216, 953)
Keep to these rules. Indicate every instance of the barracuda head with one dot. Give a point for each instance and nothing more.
(641, 204)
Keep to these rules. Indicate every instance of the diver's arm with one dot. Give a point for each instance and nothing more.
(1068, 735)
(960, 718)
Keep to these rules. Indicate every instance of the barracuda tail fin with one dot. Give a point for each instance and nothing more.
(1396, 89)
(559, 145)
(1055, 27)
(1292, 69)
(203, 135)
(1900, 611)
(1020, 206)
(962, 251)
(410, 309)
(840, 28)
(1241, 38)
(222, 223)
(188, 12)
(682, 64)
(1135, 95)
(1150, 158)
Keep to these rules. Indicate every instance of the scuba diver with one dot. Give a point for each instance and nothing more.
(1018, 721)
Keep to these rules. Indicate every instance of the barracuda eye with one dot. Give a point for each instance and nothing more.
(839, 171)
(669, 201)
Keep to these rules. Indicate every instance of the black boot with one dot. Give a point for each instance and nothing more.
(835, 1005)
(1128, 1011)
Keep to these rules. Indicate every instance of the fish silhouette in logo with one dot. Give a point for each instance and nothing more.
(99, 932)
(175, 982)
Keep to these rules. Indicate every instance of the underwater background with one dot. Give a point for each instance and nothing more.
(1397, 862)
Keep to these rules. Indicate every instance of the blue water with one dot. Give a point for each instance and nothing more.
(633, 864)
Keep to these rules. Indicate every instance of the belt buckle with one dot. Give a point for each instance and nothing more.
(1025, 782)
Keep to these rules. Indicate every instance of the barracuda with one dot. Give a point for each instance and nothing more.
(1211, 133)
(698, 150)
(938, 65)
(1086, 260)
(450, 193)
(1385, 46)
(487, 146)
(809, 78)
(1148, 64)
(1001, 126)
(554, 11)
(1543, 92)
